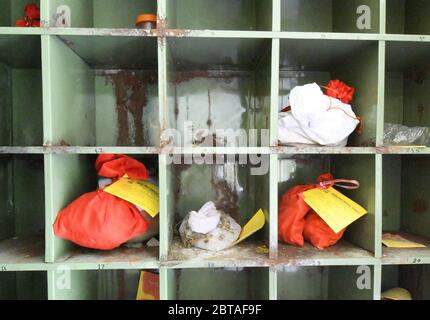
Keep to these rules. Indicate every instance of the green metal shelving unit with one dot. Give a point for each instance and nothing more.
(220, 64)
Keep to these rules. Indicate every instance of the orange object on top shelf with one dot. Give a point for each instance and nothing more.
(146, 21)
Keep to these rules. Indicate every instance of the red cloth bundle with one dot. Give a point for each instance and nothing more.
(31, 16)
(99, 220)
(318, 233)
(297, 221)
(115, 166)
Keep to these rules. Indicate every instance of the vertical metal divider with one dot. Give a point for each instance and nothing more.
(274, 94)
(377, 280)
(162, 168)
(47, 136)
(382, 16)
(273, 174)
(379, 188)
(273, 205)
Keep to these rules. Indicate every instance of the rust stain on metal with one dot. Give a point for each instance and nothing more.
(188, 75)
(227, 198)
(209, 121)
(185, 76)
(131, 98)
(420, 206)
(163, 31)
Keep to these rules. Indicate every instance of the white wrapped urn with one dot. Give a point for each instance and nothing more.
(209, 229)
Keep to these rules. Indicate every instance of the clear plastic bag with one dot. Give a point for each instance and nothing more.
(400, 135)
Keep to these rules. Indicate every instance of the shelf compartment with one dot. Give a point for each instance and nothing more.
(13, 10)
(103, 91)
(407, 84)
(218, 284)
(408, 17)
(220, 14)
(73, 175)
(29, 285)
(353, 62)
(235, 189)
(97, 284)
(325, 283)
(343, 253)
(243, 255)
(211, 89)
(22, 209)
(330, 16)
(22, 253)
(103, 13)
(414, 278)
(359, 239)
(406, 209)
(20, 91)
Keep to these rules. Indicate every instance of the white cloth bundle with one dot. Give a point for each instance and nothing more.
(311, 122)
(209, 229)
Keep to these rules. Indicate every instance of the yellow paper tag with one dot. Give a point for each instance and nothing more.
(256, 223)
(141, 193)
(397, 241)
(149, 286)
(337, 210)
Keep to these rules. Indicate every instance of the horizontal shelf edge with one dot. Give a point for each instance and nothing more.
(179, 33)
(279, 150)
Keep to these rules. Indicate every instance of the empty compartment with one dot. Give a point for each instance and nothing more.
(28, 285)
(406, 205)
(13, 10)
(21, 115)
(22, 209)
(326, 283)
(358, 242)
(218, 284)
(414, 278)
(73, 176)
(330, 15)
(98, 284)
(353, 62)
(99, 13)
(408, 16)
(104, 91)
(213, 92)
(220, 14)
(237, 187)
(407, 92)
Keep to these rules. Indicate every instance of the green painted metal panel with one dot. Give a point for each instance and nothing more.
(23, 285)
(328, 15)
(346, 15)
(221, 15)
(103, 13)
(322, 283)
(408, 16)
(17, 51)
(361, 168)
(392, 186)
(27, 107)
(222, 284)
(70, 115)
(415, 209)
(5, 106)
